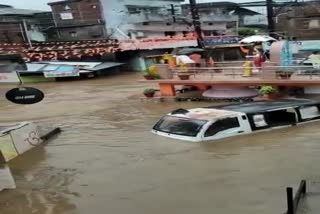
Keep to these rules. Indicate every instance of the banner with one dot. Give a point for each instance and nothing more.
(220, 40)
(26, 138)
(51, 71)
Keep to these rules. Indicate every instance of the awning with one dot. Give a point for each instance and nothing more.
(106, 65)
(310, 45)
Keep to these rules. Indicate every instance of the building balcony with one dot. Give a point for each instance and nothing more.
(78, 23)
(140, 18)
(219, 18)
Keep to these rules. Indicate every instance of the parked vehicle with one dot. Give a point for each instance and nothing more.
(211, 123)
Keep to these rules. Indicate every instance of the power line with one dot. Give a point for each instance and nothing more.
(196, 21)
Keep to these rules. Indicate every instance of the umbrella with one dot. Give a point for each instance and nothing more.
(186, 51)
(230, 93)
(257, 38)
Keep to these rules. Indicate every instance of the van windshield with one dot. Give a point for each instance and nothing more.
(180, 126)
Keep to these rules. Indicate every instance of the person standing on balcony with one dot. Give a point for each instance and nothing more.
(259, 58)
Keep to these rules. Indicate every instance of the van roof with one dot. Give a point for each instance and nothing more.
(262, 106)
(206, 113)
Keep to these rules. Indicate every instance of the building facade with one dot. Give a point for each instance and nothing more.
(142, 18)
(78, 19)
(20, 25)
(220, 18)
(300, 21)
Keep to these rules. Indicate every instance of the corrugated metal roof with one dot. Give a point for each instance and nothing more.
(13, 11)
(33, 67)
(106, 65)
(86, 65)
(91, 66)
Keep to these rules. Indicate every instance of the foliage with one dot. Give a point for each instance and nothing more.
(246, 32)
(149, 91)
(152, 71)
(267, 90)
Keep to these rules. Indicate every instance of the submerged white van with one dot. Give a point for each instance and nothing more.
(211, 123)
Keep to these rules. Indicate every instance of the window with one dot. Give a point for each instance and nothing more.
(94, 6)
(73, 34)
(309, 112)
(133, 10)
(169, 33)
(180, 126)
(222, 125)
(259, 120)
(314, 23)
(67, 7)
(207, 33)
(140, 34)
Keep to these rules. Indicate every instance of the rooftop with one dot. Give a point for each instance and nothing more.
(14, 11)
(238, 9)
(263, 106)
(5, 6)
(213, 4)
(62, 2)
(206, 113)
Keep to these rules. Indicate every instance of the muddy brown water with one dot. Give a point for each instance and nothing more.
(107, 161)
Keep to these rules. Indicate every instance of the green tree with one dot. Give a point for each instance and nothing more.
(246, 32)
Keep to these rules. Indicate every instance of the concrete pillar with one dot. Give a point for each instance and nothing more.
(167, 90)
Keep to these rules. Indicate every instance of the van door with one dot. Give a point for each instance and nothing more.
(222, 128)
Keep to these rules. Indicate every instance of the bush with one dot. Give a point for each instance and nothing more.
(267, 90)
(246, 32)
(152, 72)
(149, 91)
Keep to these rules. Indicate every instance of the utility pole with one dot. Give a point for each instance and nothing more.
(270, 15)
(196, 21)
(173, 13)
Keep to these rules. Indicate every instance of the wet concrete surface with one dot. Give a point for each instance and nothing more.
(107, 161)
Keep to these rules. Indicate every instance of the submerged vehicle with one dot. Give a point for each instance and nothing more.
(211, 123)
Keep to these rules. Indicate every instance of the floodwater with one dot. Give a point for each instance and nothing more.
(107, 161)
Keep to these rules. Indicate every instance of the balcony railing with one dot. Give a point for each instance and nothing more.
(67, 23)
(239, 73)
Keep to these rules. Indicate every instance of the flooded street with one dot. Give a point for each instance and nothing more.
(107, 161)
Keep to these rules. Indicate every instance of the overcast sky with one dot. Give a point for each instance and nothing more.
(42, 4)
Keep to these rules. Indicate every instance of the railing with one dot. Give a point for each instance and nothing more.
(239, 72)
(293, 202)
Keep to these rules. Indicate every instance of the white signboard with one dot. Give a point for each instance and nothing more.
(66, 16)
(9, 77)
(6, 178)
(52, 74)
(7, 147)
(26, 138)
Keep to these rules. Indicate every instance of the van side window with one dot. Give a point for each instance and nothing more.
(309, 112)
(222, 125)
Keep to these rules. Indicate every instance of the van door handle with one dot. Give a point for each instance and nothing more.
(240, 131)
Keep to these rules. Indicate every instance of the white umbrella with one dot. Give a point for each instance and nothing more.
(257, 38)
